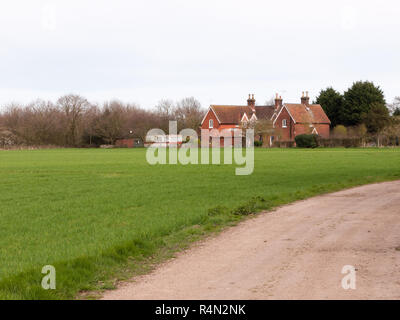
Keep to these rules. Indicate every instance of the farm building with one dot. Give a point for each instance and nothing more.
(288, 119)
(130, 142)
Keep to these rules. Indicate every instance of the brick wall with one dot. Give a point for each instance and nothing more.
(210, 115)
(287, 134)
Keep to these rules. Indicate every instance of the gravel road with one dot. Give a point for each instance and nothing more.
(295, 252)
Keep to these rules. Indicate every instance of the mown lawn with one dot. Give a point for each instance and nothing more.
(98, 214)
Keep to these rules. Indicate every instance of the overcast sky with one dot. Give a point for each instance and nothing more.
(216, 51)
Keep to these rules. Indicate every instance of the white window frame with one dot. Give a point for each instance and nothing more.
(284, 123)
(211, 124)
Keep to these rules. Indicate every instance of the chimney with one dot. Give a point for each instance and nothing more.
(251, 102)
(278, 102)
(305, 99)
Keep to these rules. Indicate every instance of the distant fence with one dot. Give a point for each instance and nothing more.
(371, 141)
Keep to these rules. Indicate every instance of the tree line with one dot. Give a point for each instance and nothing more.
(362, 109)
(73, 121)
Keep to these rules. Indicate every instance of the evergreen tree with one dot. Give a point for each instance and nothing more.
(377, 118)
(332, 103)
(358, 100)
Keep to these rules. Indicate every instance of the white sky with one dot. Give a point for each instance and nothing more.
(216, 51)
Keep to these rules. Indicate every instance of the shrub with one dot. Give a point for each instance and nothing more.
(257, 143)
(307, 141)
(340, 132)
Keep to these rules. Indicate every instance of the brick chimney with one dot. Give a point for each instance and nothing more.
(251, 102)
(305, 99)
(278, 102)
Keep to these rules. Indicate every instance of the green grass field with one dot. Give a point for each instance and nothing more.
(98, 215)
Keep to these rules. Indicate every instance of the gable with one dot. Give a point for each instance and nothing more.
(244, 118)
(210, 110)
(280, 113)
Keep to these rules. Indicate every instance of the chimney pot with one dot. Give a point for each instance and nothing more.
(305, 99)
(251, 102)
(278, 102)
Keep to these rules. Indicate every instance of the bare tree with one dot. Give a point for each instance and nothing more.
(38, 123)
(189, 113)
(73, 121)
(165, 111)
(263, 128)
(12, 121)
(112, 122)
(73, 106)
(46, 122)
(6, 138)
(394, 107)
(140, 121)
(90, 119)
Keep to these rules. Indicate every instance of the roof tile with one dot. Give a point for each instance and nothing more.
(312, 113)
(233, 114)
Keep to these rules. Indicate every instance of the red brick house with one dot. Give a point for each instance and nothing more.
(289, 119)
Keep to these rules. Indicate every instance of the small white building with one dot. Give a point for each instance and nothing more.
(163, 140)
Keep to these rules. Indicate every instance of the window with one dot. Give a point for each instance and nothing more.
(211, 123)
(284, 123)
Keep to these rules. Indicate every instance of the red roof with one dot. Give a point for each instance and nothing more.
(301, 113)
(312, 113)
(234, 114)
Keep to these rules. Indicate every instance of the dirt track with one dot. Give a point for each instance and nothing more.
(295, 252)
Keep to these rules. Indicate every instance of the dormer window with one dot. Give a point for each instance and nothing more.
(211, 123)
(284, 123)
